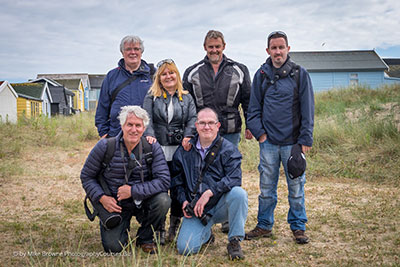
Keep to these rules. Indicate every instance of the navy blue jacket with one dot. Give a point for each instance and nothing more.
(221, 176)
(106, 118)
(286, 118)
(114, 175)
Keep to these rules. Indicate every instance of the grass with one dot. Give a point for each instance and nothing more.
(352, 193)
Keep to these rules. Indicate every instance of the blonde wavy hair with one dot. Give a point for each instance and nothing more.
(157, 89)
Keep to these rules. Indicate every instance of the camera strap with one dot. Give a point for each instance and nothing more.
(134, 159)
(210, 157)
(143, 150)
(180, 101)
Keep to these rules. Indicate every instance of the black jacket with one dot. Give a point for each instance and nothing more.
(159, 127)
(223, 92)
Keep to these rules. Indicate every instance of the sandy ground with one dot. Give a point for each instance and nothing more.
(350, 222)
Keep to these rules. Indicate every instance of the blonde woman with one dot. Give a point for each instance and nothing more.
(172, 115)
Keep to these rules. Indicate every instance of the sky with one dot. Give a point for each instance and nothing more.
(83, 36)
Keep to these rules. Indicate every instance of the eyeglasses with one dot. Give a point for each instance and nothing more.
(129, 49)
(210, 124)
(168, 60)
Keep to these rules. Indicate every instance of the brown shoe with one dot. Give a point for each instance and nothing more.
(150, 248)
(300, 236)
(257, 232)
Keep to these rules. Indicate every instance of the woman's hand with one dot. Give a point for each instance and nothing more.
(151, 139)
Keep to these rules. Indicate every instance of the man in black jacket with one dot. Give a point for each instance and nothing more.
(222, 84)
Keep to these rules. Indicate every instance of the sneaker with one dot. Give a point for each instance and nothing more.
(300, 236)
(258, 232)
(234, 249)
(225, 227)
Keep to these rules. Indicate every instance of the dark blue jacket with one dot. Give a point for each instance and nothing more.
(221, 176)
(106, 118)
(114, 175)
(286, 118)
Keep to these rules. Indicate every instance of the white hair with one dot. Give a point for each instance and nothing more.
(133, 110)
(131, 39)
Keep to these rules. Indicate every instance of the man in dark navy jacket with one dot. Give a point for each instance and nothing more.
(136, 194)
(131, 66)
(215, 198)
(280, 115)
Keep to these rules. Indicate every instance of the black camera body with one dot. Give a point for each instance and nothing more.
(175, 137)
(204, 219)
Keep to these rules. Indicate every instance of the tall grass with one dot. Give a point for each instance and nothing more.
(58, 131)
(356, 135)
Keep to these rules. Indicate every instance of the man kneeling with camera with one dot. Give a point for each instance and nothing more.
(208, 181)
(134, 182)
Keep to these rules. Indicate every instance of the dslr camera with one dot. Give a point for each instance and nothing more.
(204, 219)
(175, 137)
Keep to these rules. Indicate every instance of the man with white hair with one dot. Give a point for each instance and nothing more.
(136, 186)
(125, 85)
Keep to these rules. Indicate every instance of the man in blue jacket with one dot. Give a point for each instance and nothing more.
(280, 115)
(134, 192)
(208, 181)
(131, 79)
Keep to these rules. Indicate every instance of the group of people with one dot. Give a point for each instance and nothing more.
(182, 136)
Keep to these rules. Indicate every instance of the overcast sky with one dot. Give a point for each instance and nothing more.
(83, 36)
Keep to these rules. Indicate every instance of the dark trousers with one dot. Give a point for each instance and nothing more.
(150, 215)
(176, 207)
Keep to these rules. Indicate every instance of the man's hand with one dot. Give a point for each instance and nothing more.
(124, 192)
(248, 134)
(185, 143)
(201, 203)
(104, 136)
(262, 138)
(110, 204)
(183, 209)
(305, 149)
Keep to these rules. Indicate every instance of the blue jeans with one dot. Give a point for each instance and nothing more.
(234, 138)
(231, 207)
(271, 157)
(150, 216)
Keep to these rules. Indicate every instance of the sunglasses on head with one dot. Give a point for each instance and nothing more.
(168, 60)
(275, 33)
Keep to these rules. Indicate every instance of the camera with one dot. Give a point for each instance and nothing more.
(108, 219)
(204, 219)
(175, 137)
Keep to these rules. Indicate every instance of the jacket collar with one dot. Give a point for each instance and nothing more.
(143, 68)
(193, 141)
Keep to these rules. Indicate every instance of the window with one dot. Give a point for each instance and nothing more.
(353, 79)
(34, 109)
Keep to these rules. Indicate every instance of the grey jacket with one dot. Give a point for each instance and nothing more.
(159, 127)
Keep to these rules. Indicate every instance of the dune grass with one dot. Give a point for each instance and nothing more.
(352, 193)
